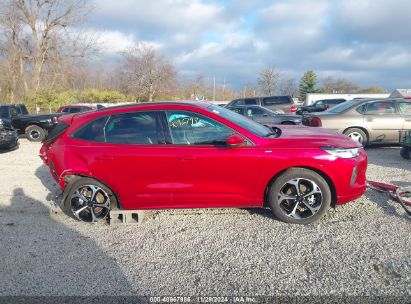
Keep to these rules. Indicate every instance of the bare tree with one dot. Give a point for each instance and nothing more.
(339, 85)
(147, 73)
(268, 80)
(288, 86)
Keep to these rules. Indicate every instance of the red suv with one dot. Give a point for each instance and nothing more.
(198, 155)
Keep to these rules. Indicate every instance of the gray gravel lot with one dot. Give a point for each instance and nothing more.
(363, 248)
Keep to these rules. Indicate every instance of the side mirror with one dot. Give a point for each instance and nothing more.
(235, 140)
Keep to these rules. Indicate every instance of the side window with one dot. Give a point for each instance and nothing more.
(255, 112)
(188, 128)
(13, 112)
(75, 110)
(238, 102)
(133, 128)
(320, 103)
(238, 110)
(93, 131)
(276, 100)
(250, 101)
(66, 110)
(361, 109)
(380, 108)
(405, 108)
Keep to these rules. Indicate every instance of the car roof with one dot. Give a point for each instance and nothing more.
(199, 104)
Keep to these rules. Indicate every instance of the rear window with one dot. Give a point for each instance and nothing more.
(250, 101)
(276, 100)
(93, 131)
(343, 106)
(55, 132)
(4, 112)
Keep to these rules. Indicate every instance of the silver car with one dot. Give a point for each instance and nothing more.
(366, 121)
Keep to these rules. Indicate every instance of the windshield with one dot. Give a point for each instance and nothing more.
(240, 120)
(343, 106)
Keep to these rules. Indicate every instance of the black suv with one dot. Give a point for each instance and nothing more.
(266, 116)
(284, 104)
(8, 136)
(34, 126)
(319, 106)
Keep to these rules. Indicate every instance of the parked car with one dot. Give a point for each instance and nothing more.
(366, 121)
(319, 106)
(198, 155)
(266, 116)
(275, 103)
(8, 136)
(34, 126)
(78, 108)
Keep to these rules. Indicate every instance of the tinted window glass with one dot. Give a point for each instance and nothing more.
(93, 131)
(405, 108)
(255, 112)
(75, 110)
(361, 109)
(132, 128)
(237, 110)
(344, 106)
(13, 112)
(319, 103)
(380, 108)
(251, 101)
(188, 128)
(4, 112)
(237, 102)
(276, 100)
(65, 110)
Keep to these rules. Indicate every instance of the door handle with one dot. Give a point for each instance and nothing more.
(185, 157)
(105, 157)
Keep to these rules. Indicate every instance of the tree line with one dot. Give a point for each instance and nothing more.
(45, 60)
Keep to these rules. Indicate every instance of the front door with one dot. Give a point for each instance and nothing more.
(208, 172)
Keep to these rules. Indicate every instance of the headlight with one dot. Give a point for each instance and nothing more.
(341, 152)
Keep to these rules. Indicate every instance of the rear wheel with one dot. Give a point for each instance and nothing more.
(357, 135)
(35, 133)
(299, 196)
(88, 200)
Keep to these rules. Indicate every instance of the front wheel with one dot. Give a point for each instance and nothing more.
(300, 196)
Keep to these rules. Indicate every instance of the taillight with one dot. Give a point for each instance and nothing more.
(293, 109)
(315, 122)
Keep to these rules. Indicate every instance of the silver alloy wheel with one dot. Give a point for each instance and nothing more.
(356, 136)
(90, 203)
(34, 134)
(300, 198)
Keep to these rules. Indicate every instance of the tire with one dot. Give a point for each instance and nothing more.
(357, 135)
(405, 152)
(35, 133)
(302, 209)
(88, 200)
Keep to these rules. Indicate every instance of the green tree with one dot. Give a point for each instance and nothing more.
(307, 83)
(373, 89)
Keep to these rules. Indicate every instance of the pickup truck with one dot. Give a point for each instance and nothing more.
(35, 127)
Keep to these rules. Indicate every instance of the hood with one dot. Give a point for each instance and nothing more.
(308, 137)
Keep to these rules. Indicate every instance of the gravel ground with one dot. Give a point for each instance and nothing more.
(362, 248)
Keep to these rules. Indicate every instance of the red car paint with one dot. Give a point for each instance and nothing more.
(151, 176)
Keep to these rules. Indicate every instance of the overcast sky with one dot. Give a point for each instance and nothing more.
(366, 41)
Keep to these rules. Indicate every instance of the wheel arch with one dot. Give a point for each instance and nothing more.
(73, 177)
(321, 173)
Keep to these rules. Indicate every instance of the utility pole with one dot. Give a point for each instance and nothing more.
(214, 89)
(224, 89)
(245, 88)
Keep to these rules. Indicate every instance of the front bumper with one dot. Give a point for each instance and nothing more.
(8, 139)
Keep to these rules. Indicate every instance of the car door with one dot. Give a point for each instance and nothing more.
(405, 110)
(208, 172)
(383, 121)
(126, 151)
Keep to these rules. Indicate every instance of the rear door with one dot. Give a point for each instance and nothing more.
(405, 110)
(383, 121)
